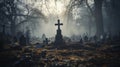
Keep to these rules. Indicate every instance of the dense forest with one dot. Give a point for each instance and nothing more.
(91, 16)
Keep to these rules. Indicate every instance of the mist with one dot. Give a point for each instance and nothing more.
(75, 24)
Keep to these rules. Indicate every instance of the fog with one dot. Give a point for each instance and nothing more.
(75, 22)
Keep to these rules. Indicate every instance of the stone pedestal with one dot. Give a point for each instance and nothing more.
(59, 39)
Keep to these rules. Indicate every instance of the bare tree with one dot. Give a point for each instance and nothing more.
(96, 14)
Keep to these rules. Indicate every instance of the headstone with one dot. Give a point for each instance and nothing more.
(3, 29)
(86, 38)
(58, 38)
(14, 39)
(28, 37)
(81, 41)
(46, 41)
(95, 39)
(22, 40)
(102, 38)
(43, 37)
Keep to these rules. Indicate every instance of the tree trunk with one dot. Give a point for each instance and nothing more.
(13, 28)
(99, 17)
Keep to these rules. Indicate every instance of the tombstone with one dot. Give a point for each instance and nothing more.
(108, 37)
(43, 37)
(72, 38)
(86, 38)
(22, 40)
(102, 38)
(46, 41)
(69, 40)
(3, 29)
(81, 41)
(14, 39)
(18, 35)
(2, 35)
(28, 37)
(95, 38)
(58, 38)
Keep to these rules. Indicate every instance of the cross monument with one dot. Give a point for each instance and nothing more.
(58, 38)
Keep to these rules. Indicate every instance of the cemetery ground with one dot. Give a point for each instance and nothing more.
(72, 55)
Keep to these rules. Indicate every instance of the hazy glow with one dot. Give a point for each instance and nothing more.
(54, 7)
(60, 7)
(54, 10)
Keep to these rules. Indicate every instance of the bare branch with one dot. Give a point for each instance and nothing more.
(90, 9)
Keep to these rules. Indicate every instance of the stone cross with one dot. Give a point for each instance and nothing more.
(58, 24)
